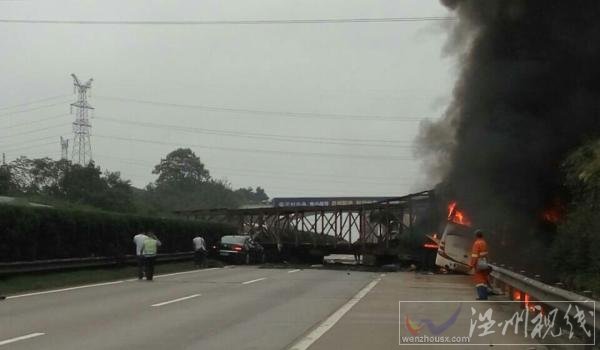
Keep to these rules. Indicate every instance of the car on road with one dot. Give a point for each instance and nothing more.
(241, 249)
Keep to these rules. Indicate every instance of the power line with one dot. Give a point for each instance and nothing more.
(269, 174)
(264, 151)
(263, 136)
(26, 142)
(234, 22)
(32, 102)
(33, 109)
(62, 125)
(296, 191)
(35, 121)
(264, 113)
(302, 174)
(30, 146)
(146, 163)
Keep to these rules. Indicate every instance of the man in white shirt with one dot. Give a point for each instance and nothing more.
(199, 250)
(139, 243)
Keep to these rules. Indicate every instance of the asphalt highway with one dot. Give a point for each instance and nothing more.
(223, 308)
(230, 308)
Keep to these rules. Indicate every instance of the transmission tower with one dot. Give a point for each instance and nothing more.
(64, 148)
(82, 147)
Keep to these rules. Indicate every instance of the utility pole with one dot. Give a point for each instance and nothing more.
(82, 146)
(64, 148)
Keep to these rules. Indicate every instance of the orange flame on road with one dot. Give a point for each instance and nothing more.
(457, 216)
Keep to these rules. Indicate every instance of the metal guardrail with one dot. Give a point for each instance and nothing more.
(74, 263)
(546, 294)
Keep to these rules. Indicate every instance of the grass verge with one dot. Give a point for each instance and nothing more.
(29, 282)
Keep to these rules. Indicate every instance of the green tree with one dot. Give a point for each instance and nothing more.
(6, 183)
(181, 168)
(46, 175)
(251, 196)
(185, 183)
(574, 251)
(83, 184)
(260, 194)
(119, 194)
(22, 178)
(86, 185)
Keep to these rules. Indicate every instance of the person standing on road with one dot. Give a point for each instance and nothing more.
(139, 243)
(479, 256)
(149, 250)
(199, 250)
(356, 253)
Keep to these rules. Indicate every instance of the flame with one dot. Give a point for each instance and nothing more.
(457, 216)
(430, 246)
(551, 216)
(554, 212)
(525, 298)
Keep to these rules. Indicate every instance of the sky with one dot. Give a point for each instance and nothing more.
(312, 109)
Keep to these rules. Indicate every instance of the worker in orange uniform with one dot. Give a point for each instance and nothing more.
(479, 254)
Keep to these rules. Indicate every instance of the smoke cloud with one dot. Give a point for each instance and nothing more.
(528, 93)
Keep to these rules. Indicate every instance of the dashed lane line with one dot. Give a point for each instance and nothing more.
(256, 280)
(23, 337)
(175, 300)
(306, 341)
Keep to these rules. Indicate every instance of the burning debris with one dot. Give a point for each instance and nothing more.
(527, 95)
(554, 212)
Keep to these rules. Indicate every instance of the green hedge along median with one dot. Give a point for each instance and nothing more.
(30, 233)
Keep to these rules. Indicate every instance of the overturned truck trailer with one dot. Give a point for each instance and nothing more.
(454, 245)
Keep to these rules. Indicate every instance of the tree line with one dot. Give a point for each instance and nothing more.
(575, 250)
(183, 182)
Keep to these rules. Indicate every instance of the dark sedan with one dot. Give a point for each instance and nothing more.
(241, 249)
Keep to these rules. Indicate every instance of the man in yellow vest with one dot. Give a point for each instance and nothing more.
(149, 250)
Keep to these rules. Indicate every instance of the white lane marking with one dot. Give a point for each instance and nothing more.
(292, 271)
(185, 272)
(176, 300)
(326, 325)
(100, 284)
(64, 289)
(13, 340)
(256, 280)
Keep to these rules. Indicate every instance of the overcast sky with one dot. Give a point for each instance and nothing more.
(351, 94)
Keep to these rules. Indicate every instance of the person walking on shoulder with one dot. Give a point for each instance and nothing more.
(199, 250)
(149, 250)
(138, 240)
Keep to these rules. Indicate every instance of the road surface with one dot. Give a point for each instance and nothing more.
(225, 308)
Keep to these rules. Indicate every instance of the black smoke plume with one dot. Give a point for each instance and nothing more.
(527, 94)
